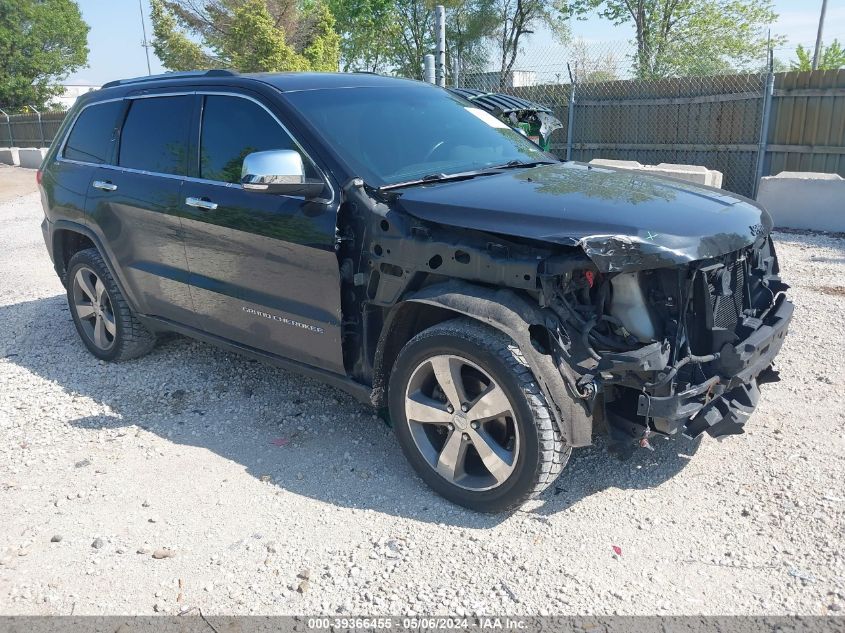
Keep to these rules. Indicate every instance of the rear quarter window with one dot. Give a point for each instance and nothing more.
(155, 135)
(90, 140)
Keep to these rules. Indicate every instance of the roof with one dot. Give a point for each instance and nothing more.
(495, 101)
(286, 82)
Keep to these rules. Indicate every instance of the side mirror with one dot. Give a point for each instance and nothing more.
(278, 171)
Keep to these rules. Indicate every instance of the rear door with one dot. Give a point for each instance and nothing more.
(134, 204)
(89, 144)
(263, 267)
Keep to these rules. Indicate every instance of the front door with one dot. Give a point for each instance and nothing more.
(263, 269)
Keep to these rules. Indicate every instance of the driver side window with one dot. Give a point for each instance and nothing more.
(233, 127)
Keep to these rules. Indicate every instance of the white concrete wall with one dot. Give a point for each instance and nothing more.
(10, 155)
(31, 157)
(805, 200)
(692, 173)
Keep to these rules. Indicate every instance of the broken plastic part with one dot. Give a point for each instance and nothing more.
(548, 124)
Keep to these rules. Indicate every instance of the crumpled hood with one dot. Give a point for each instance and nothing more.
(623, 220)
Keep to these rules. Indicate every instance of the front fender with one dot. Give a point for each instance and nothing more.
(508, 312)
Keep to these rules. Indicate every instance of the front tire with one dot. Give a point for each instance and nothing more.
(471, 419)
(102, 316)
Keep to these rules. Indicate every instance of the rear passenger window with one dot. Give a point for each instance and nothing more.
(92, 134)
(155, 135)
(233, 127)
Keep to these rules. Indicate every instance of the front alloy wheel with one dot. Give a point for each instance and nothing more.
(471, 418)
(462, 422)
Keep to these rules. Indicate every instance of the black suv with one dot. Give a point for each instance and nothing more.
(396, 241)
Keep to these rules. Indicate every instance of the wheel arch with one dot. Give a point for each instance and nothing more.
(502, 309)
(69, 238)
(66, 243)
(405, 320)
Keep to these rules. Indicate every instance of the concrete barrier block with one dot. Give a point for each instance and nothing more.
(805, 200)
(9, 155)
(697, 174)
(31, 157)
(806, 175)
(692, 173)
(619, 164)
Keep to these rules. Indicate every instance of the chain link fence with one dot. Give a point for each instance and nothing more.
(607, 111)
(715, 121)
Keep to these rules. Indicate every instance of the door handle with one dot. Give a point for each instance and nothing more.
(104, 185)
(199, 203)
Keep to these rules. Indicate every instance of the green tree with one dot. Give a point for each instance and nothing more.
(518, 19)
(322, 52)
(247, 35)
(469, 25)
(172, 45)
(41, 42)
(689, 37)
(368, 29)
(831, 57)
(252, 43)
(414, 38)
(396, 35)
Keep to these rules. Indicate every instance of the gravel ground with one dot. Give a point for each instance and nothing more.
(15, 182)
(192, 477)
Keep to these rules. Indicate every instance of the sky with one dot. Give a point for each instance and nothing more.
(116, 51)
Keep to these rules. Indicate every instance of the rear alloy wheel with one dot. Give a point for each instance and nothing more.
(93, 307)
(471, 418)
(102, 317)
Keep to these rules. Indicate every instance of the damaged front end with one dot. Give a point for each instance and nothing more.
(673, 349)
(642, 306)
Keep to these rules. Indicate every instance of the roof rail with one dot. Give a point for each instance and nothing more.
(214, 72)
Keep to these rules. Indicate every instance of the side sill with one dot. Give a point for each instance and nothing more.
(357, 390)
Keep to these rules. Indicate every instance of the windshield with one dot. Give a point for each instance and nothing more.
(393, 135)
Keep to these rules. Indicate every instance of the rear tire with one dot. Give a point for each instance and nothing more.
(102, 316)
(502, 447)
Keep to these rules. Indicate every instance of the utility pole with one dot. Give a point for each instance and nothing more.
(440, 31)
(145, 43)
(817, 52)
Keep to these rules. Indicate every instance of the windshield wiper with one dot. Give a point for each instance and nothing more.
(518, 163)
(435, 178)
(465, 175)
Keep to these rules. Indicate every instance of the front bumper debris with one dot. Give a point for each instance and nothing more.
(723, 403)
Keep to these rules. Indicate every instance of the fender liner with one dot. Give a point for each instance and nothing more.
(505, 310)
